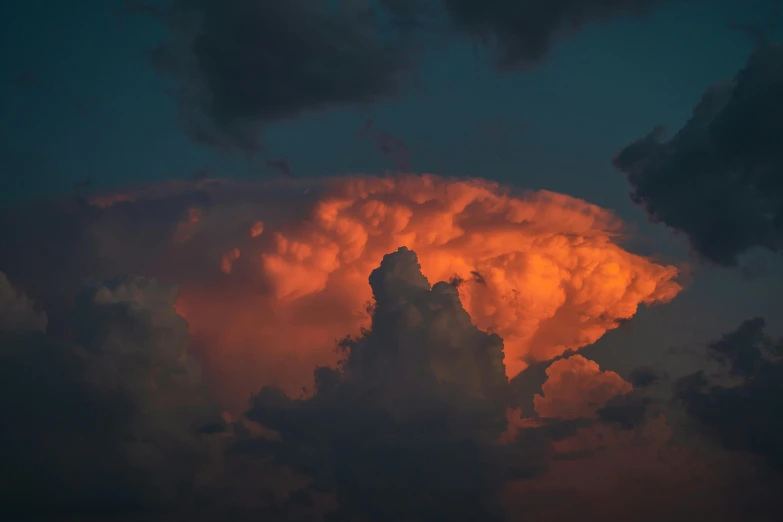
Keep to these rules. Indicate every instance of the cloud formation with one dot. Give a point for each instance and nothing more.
(742, 414)
(523, 32)
(109, 419)
(266, 302)
(108, 424)
(718, 180)
(405, 428)
(240, 64)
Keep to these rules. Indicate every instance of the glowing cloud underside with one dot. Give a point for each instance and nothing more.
(543, 270)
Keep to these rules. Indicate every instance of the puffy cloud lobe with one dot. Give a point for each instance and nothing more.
(551, 278)
(542, 270)
(577, 387)
(744, 415)
(718, 180)
(628, 410)
(17, 312)
(240, 63)
(416, 406)
(644, 377)
(524, 31)
(108, 425)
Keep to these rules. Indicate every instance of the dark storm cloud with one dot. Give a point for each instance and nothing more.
(239, 64)
(108, 424)
(644, 377)
(627, 411)
(407, 427)
(745, 415)
(523, 31)
(720, 178)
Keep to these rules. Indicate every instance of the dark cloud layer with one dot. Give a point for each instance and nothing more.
(744, 414)
(523, 31)
(239, 64)
(719, 180)
(107, 425)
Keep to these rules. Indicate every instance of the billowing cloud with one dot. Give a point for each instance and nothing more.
(718, 180)
(108, 417)
(240, 64)
(17, 311)
(742, 413)
(266, 303)
(577, 387)
(109, 424)
(407, 427)
(522, 32)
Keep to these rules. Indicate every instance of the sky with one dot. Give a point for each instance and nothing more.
(499, 260)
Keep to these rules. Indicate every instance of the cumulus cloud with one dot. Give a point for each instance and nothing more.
(552, 274)
(17, 311)
(577, 387)
(407, 427)
(240, 64)
(718, 180)
(522, 32)
(743, 413)
(108, 424)
(415, 415)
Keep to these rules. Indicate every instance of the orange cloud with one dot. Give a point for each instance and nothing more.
(543, 270)
(577, 387)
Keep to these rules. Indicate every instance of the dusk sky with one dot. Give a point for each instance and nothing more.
(194, 193)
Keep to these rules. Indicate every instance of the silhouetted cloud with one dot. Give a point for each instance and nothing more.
(719, 180)
(628, 410)
(406, 427)
(108, 424)
(522, 32)
(744, 415)
(239, 64)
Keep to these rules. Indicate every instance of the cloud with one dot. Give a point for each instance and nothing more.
(644, 377)
(240, 64)
(743, 414)
(718, 179)
(407, 426)
(110, 423)
(523, 32)
(106, 415)
(237, 65)
(577, 387)
(555, 276)
(628, 410)
(17, 311)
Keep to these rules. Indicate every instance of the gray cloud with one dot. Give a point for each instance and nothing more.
(523, 31)
(644, 377)
(240, 64)
(628, 410)
(109, 423)
(17, 311)
(741, 415)
(719, 180)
